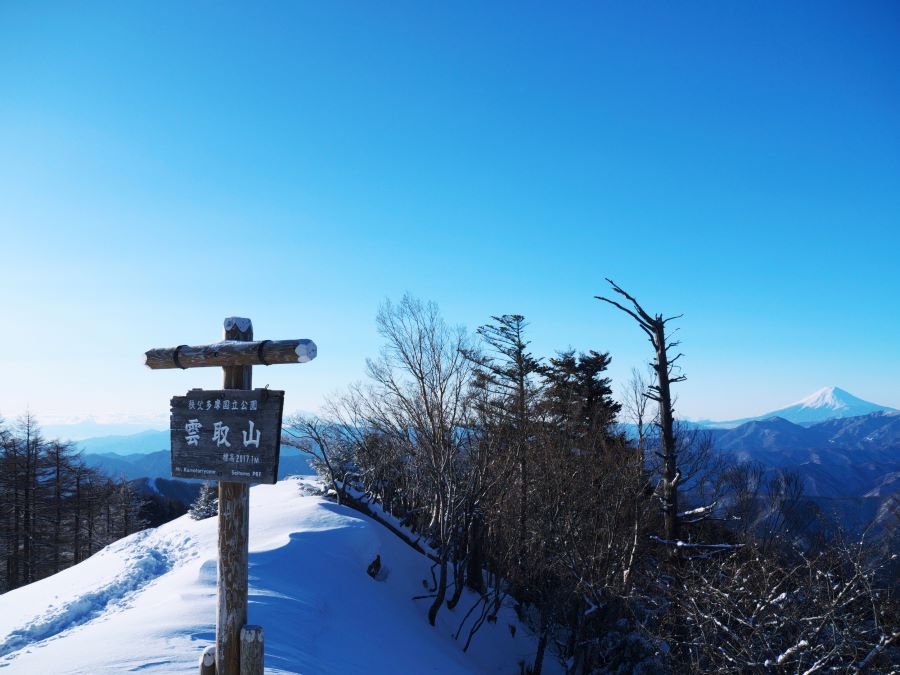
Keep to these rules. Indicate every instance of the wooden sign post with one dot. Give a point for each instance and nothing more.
(235, 446)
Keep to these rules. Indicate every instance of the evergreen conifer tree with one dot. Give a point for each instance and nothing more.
(579, 398)
(207, 503)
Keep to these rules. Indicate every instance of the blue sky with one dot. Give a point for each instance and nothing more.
(164, 165)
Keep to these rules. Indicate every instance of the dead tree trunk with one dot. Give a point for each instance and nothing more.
(655, 328)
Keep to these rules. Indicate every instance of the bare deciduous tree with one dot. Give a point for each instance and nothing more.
(635, 402)
(421, 400)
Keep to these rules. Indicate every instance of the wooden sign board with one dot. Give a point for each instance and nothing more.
(227, 435)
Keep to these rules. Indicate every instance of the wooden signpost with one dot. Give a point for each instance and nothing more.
(232, 435)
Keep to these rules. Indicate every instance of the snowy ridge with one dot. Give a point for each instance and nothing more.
(147, 602)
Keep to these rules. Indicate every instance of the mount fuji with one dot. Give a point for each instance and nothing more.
(825, 404)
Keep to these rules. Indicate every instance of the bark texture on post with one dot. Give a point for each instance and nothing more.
(234, 528)
(252, 650)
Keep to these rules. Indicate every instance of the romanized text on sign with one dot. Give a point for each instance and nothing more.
(227, 435)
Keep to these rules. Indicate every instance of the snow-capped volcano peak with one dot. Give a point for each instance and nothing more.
(834, 398)
(823, 404)
(826, 403)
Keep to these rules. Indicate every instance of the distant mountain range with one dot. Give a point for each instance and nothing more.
(856, 437)
(92, 428)
(156, 465)
(825, 404)
(846, 451)
(141, 443)
(148, 455)
(849, 466)
(846, 445)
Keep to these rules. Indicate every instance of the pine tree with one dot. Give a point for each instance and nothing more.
(577, 397)
(506, 376)
(207, 503)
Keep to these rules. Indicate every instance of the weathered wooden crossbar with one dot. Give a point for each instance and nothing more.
(232, 353)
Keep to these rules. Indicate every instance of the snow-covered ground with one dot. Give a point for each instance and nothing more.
(147, 603)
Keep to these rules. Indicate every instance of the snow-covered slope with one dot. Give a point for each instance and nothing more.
(147, 603)
(825, 404)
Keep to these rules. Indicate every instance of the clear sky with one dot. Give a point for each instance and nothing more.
(164, 165)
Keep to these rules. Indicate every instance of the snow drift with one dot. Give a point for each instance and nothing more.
(147, 603)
